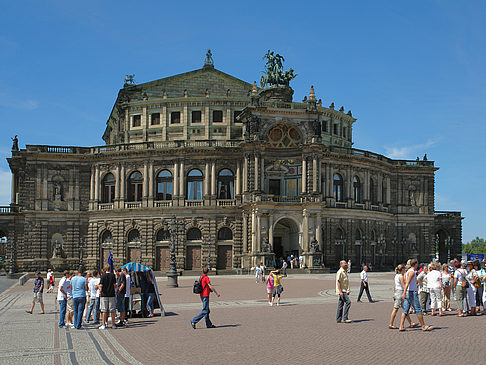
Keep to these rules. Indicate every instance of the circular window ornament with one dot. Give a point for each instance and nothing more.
(284, 136)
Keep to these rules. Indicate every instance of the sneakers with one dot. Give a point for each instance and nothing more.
(113, 327)
(119, 324)
(212, 326)
(193, 325)
(102, 327)
(150, 315)
(346, 321)
(270, 304)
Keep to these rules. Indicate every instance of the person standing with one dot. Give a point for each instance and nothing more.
(342, 289)
(69, 303)
(349, 266)
(80, 286)
(446, 288)
(434, 284)
(150, 295)
(62, 290)
(364, 285)
(460, 283)
(121, 282)
(207, 289)
(301, 261)
(479, 286)
(284, 268)
(277, 286)
(270, 287)
(50, 281)
(107, 288)
(38, 290)
(471, 277)
(94, 300)
(410, 297)
(423, 290)
(127, 293)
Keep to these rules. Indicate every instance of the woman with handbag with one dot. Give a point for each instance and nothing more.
(446, 288)
(479, 286)
(460, 283)
(472, 278)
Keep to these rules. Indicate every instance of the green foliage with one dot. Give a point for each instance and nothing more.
(477, 245)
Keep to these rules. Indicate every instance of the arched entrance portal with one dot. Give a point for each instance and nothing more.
(286, 238)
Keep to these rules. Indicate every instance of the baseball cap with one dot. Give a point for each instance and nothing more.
(37, 272)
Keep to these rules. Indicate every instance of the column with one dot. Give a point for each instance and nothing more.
(319, 231)
(127, 125)
(97, 185)
(270, 231)
(330, 181)
(314, 174)
(213, 178)
(388, 190)
(92, 185)
(245, 233)
(305, 231)
(256, 172)
(245, 174)
(253, 232)
(380, 188)
(206, 179)
(181, 180)
(304, 176)
(176, 179)
(262, 175)
(151, 183)
(117, 186)
(259, 231)
(122, 185)
(238, 178)
(145, 123)
(145, 182)
(13, 191)
(164, 122)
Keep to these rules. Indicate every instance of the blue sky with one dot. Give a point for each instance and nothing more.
(412, 72)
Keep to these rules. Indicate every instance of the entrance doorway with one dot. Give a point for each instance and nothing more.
(163, 258)
(224, 260)
(193, 257)
(286, 239)
(441, 249)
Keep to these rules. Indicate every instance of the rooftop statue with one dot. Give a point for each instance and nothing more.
(209, 59)
(274, 73)
(129, 80)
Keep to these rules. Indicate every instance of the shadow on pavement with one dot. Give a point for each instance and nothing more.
(362, 320)
(228, 325)
(170, 314)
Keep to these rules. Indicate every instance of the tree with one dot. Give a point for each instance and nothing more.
(477, 245)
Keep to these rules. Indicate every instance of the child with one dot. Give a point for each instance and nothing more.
(270, 288)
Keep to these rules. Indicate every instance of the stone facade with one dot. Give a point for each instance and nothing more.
(248, 174)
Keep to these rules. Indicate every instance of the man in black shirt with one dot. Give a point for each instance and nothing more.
(121, 280)
(107, 288)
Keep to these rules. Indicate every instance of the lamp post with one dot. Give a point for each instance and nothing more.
(395, 250)
(11, 268)
(82, 245)
(175, 228)
(381, 242)
(402, 243)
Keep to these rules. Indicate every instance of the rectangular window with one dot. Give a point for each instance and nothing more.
(235, 115)
(137, 121)
(274, 187)
(196, 116)
(291, 187)
(324, 126)
(155, 118)
(175, 117)
(217, 116)
(335, 129)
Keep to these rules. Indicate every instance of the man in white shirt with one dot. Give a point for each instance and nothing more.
(364, 285)
(62, 290)
(128, 283)
(94, 298)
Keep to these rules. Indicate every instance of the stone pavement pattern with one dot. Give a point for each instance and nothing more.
(302, 329)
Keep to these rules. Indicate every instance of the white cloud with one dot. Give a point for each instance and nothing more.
(409, 152)
(5, 180)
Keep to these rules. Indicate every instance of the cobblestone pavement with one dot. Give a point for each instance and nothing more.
(302, 329)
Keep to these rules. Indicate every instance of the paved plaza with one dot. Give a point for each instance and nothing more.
(302, 329)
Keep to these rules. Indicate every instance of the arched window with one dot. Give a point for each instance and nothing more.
(134, 236)
(106, 237)
(194, 185)
(108, 189)
(358, 235)
(373, 191)
(135, 183)
(225, 184)
(339, 234)
(338, 187)
(225, 234)
(164, 185)
(383, 192)
(194, 234)
(357, 189)
(162, 235)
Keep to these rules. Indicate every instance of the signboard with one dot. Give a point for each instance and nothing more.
(475, 256)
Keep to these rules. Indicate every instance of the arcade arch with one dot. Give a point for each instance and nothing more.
(286, 238)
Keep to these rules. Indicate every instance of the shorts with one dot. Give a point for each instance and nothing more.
(69, 306)
(37, 298)
(107, 304)
(398, 301)
(269, 291)
(277, 290)
(120, 303)
(412, 300)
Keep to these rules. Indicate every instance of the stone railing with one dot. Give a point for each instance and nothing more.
(194, 203)
(162, 203)
(105, 206)
(133, 205)
(58, 149)
(445, 213)
(287, 199)
(7, 209)
(226, 202)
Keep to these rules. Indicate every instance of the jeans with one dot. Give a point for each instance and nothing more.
(150, 301)
(62, 313)
(79, 304)
(346, 302)
(92, 304)
(367, 289)
(411, 300)
(204, 313)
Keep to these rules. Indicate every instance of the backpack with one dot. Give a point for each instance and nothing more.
(197, 287)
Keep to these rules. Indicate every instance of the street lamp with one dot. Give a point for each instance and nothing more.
(175, 228)
(395, 250)
(82, 245)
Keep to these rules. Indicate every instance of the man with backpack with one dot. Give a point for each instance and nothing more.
(204, 288)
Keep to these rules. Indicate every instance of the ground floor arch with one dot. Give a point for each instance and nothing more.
(286, 238)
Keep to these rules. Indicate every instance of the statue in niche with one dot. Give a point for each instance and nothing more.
(265, 245)
(314, 246)
(57, 191)
(411, 195)
(57, 252)
(15, 144)
(316, 127)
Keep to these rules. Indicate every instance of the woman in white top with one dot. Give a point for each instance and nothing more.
(471, 277)
(397, 297)
(460, 284)
(434, 285)
(446, 288)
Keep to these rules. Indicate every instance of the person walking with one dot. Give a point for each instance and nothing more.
(50, 280)
(38, 290)
(283, 270)
(121, 282)
(258, 273)
(94, 299)
(348, 266)
(446, 288)
(301, 261)
(434, 284)
(364, 285)
(80, 286)
(62, 290)
(107, 288)
(277, 286)
(207, 289)
(342, 289)
(397, 297)
(410, 297)
(460, 283)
